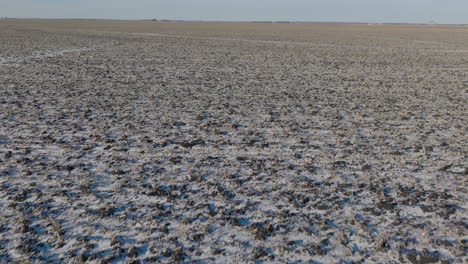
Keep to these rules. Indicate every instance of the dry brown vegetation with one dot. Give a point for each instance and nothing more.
(232, 142)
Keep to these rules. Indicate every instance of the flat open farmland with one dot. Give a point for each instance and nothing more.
(143, 142)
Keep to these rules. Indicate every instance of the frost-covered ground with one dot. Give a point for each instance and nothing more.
(232, 143)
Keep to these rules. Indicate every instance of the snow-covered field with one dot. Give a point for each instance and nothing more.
(144, 142)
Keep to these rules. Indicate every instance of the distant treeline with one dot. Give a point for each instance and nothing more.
(298, 22)
(254, 21)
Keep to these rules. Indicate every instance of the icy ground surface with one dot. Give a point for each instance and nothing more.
(143, 148)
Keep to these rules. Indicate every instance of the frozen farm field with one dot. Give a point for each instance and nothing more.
(171, 142)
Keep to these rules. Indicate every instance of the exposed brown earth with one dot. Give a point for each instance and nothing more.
(232, 142)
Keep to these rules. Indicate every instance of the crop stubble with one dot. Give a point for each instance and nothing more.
(232, 142)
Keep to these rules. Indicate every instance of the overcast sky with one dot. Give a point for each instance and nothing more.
(415, 11)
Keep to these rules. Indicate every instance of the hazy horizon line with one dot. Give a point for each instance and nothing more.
(238, 21)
